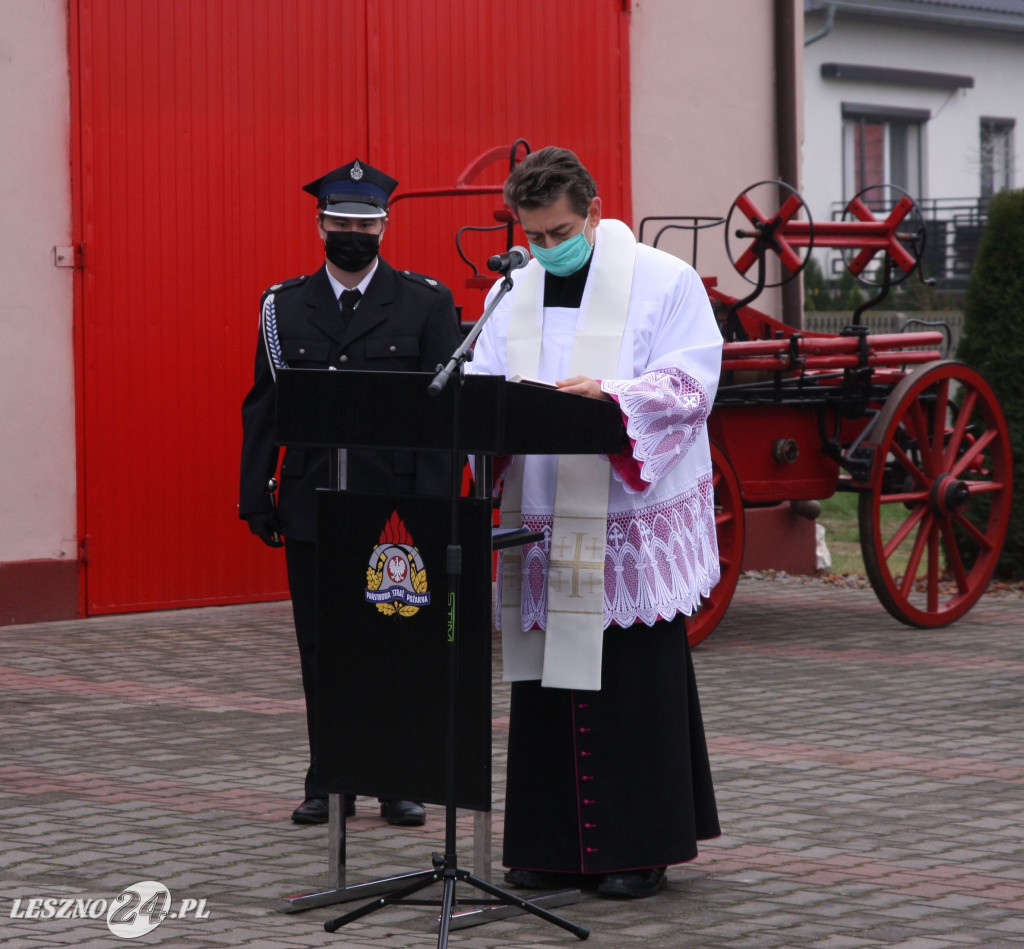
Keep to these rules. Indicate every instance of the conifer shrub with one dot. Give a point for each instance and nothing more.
(993, 342)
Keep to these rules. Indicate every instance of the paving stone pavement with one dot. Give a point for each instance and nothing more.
(870, 779)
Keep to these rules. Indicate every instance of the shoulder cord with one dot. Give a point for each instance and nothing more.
(268, 317)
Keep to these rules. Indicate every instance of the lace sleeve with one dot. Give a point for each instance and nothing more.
(665, 410)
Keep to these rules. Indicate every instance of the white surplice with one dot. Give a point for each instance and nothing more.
(661, 553)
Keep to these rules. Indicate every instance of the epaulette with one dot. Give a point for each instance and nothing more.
(285, 284)
(422, 280)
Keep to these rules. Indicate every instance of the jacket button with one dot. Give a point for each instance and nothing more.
(302, 352)
(391, 349)
(343, 359)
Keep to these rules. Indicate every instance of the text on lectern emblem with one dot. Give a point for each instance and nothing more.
(396, 579)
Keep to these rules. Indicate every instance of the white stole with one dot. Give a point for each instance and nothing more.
(567, 654)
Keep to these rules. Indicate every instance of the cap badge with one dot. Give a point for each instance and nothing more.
(356, 173)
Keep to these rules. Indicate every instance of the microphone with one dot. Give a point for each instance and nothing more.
(514, 259)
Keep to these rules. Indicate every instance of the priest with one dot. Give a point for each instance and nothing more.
(609, 781)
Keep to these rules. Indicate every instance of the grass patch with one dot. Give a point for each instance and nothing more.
(839, 518)
(842, 534)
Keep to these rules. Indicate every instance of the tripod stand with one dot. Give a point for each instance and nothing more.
(446, 869)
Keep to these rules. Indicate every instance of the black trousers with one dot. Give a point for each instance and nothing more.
(301, 561)
(300, 557)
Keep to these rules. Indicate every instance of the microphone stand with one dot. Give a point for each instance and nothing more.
(462, 355)
(446, 868)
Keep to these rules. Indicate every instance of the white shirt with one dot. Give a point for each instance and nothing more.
(337, 286)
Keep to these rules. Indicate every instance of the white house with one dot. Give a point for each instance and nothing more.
(923, 94)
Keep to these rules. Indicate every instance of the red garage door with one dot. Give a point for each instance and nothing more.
(195, 123)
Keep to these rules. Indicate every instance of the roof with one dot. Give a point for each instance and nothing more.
(977, 14)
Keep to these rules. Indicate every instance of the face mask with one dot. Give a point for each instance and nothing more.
(351, 251)
(565, 258)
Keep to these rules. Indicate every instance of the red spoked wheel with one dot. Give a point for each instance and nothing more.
(933, 521)
(750, 232)
(903, 245)
(729, 528)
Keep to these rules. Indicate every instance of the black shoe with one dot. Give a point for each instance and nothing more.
(404, 813)
(635, 885)
(546, 880)
(313, 810)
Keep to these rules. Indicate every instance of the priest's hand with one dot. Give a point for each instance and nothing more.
(583, 385)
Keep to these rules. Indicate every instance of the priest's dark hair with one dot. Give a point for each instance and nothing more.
(542, 177)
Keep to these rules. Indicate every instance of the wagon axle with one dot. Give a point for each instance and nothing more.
(948, 495)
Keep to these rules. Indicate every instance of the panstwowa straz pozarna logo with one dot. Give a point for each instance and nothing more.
(396, 579)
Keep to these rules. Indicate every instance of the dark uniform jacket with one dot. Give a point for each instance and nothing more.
(404, 322)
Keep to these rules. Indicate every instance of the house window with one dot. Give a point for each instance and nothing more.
(882, 146)
(996, 155)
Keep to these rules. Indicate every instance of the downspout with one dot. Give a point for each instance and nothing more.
(786, 144)
(830, 15)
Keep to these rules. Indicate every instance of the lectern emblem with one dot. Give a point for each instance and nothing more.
(396, 580)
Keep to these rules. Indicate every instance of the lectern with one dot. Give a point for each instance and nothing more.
(403, 694)
(393, 410)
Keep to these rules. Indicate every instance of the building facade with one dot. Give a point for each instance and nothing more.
(151, 170)
(922, 94)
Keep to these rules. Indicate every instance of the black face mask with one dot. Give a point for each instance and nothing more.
(351, 251)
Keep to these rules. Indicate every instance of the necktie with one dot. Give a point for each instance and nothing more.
(349, 299)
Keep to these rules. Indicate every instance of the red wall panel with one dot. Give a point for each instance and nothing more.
(196, 123)
(463, 76)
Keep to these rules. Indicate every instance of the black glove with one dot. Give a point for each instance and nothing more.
(266, 527)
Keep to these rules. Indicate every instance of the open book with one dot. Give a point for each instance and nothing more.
(532, 382)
